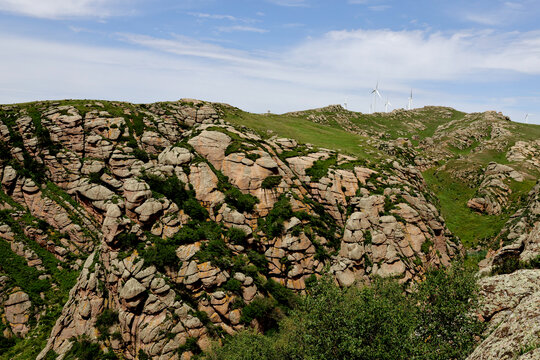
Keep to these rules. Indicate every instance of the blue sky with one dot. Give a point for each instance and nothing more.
(277, 55)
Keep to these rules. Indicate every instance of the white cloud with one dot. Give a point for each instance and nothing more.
(242, 28)
(500, 13)
(222, 17)
(57, 9)
(314, 73)
(215, 16)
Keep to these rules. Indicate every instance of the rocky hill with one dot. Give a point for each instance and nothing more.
(153, 229)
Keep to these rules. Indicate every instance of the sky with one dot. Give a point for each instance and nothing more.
(276, 55)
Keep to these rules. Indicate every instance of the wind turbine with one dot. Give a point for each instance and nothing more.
(527, 117)
(409, 105)
(387, 104)
(345, 104)
(376, 93)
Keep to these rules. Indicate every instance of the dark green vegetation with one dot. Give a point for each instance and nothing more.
(271, 182)
(512, 263)
(84, 349)
(374, 322)
(45, 299)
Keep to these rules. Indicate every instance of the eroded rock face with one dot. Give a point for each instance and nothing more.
(211, 145)
(525, 151)
(520, 237)
(493, 193)
(510, 304)
(16, 309)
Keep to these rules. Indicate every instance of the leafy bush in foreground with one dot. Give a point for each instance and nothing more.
(379, 321)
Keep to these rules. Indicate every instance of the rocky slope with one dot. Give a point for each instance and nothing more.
(176, 220)
(148, 229)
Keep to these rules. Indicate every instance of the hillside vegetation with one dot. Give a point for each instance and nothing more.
(151, 231)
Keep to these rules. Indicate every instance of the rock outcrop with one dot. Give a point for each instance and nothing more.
(510, 303)
(493, 194)
(520, 237)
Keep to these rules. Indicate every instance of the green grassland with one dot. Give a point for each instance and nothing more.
(305, 131)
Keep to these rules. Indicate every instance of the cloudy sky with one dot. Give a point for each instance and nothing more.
(277, 55)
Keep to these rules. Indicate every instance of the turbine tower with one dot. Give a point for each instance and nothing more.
(387, 104)
(527, 117)
(375, 93)
(409, 105)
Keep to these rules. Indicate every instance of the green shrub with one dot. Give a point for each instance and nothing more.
(5, 153)
(237, 236)
(6, 343)
(195, 210)
(283, 295)
(264, 310)
(143, 355)
(446, 327)
(512, 263)
(195, 231)
(246, 345)
(240, 201)
(258, 260)
(105, 320)
(190, 345)
(368, 239)
(272, 225)
(175, 190)
(215, 251)
(319, 169)
(271, 182)
(377, 322)
(42, 133)
(426, 246)
(535, 262)
(161, 255)
(84, 349)
(127, 241)
(388, 205)
(138, 123)
(140, 154)
(233, 286)
(507, 266)
(21, 274)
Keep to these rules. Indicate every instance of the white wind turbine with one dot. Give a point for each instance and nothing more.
(376, 93)
(409, 105)
(387, 104)
(345, 104)
(527, 117)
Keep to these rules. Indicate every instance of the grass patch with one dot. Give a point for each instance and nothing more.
(471, 227)
(303, 130)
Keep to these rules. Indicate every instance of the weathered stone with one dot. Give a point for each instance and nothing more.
(131, 289)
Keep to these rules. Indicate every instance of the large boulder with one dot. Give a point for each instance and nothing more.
(17, 308)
